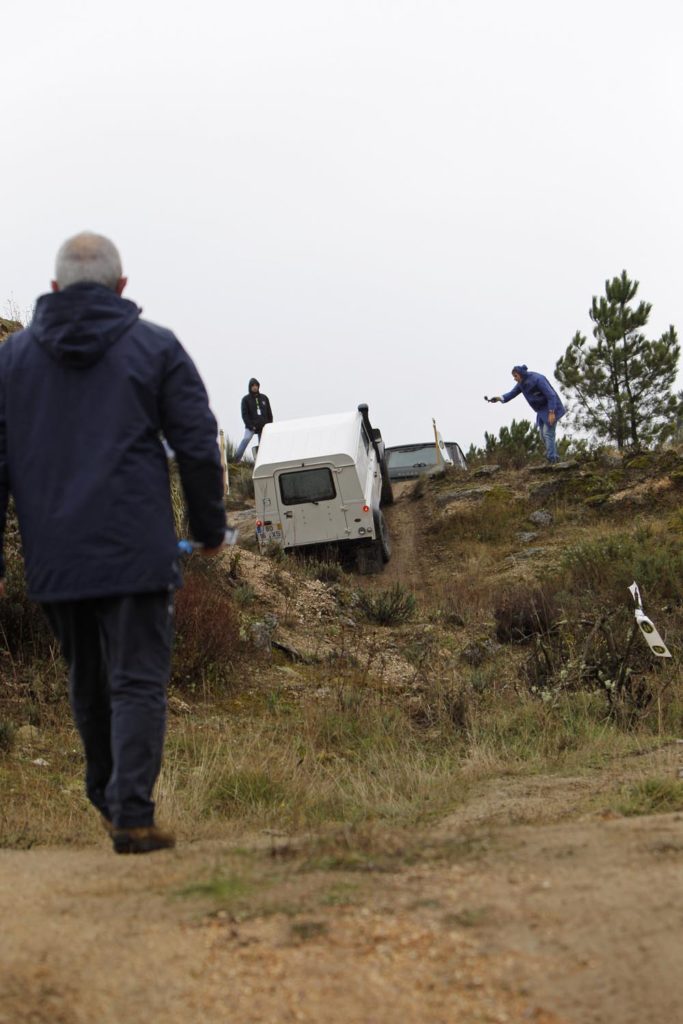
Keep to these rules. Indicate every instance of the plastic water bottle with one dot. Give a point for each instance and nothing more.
(186, 547)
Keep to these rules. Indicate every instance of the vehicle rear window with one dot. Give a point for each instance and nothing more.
(415, 458)
(306, 485)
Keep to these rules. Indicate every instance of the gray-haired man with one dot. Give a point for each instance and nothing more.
(85, 393)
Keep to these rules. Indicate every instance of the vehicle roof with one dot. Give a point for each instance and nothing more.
(312, 438)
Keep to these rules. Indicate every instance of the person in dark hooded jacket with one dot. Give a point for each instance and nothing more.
(86, 392)
(543, 399)
(256, 412)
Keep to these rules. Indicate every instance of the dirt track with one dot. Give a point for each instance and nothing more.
(566, 923)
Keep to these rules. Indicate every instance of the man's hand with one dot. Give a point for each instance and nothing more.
(229, 540)
(551, 418)
(495, 398)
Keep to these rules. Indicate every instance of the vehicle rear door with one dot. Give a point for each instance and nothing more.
(311, 505)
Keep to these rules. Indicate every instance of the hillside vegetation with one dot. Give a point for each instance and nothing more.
(500, 639)
(430, 792)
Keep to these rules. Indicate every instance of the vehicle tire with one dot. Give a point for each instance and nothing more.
(383, 539)
(387, 494)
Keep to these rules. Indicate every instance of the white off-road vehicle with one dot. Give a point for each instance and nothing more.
(323, 481)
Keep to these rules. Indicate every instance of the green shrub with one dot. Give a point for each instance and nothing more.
(515, 445)
(244, 595)
(327, 570)
(387, 607)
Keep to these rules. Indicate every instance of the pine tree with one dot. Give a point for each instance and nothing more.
(621, 385)
(513, 446)
(518, 441)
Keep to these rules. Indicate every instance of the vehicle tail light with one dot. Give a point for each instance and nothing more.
(259, 524)
(366, 508)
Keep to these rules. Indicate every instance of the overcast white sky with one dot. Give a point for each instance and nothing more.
(389, 201)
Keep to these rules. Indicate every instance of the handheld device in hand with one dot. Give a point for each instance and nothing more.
(186, 547)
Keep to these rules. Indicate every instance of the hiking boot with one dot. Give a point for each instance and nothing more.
(141, 840)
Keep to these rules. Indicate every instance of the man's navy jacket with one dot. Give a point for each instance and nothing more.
(85, 393)
(539, 393)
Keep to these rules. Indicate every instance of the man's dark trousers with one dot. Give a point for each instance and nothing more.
(118, 650)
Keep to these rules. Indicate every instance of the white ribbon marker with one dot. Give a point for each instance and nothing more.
(442, 451)
(647, 627)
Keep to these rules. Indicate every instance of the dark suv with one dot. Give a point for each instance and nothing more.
(405, 461)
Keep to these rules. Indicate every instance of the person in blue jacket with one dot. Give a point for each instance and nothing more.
(543, 399)
(86, 393)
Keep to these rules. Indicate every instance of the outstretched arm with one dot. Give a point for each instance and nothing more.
(509, 395)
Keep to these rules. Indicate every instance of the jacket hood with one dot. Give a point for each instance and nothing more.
(76, 326)
(522, 369)
(253, 381)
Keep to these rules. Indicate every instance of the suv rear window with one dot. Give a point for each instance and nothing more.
(414, 457)
(306, 485)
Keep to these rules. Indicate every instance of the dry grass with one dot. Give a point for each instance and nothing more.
(493, 520)
(354, 760)
(300, 767)
(349, 760)
(42, 797)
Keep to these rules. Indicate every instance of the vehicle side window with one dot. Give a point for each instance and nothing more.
(306, 485)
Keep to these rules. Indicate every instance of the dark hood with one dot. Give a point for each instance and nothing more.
(76, 326)
(522, 369)
(253, 381)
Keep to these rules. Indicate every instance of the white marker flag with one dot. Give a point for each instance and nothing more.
(442, 452)
(224, 462)
(647, 627)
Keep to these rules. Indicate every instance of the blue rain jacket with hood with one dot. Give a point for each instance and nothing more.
(85, 393)
(539, 393)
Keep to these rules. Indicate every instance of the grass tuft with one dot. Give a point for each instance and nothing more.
(388, 607)
(652, 796)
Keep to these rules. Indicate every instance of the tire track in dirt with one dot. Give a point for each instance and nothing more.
(408, 562)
